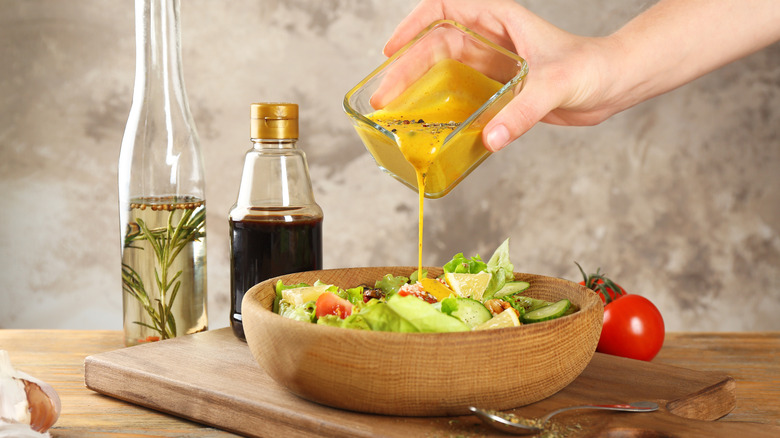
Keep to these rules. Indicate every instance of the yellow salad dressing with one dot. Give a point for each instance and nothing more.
(425, 114)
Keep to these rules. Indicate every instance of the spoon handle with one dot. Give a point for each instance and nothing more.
(612, 407)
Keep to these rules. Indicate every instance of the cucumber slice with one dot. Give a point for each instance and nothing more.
(468, 310)
(525, 304)
(570, 310)
(510, 288)
(545, 313)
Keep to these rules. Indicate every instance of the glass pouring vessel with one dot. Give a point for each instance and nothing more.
(462, 150)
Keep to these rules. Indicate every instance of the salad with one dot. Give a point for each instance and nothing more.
(469, 295)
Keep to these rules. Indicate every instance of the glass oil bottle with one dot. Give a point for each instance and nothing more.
(162, 204)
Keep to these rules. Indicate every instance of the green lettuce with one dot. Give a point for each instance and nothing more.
(399, 314)
(424, 316)
(354, 295)
(501, 270)
(390, 284)
(375, 316)
(304, 312)
(461, 265)
(381, 317)
(354, 321)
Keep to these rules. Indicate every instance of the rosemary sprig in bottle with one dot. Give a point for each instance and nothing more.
(166, 243)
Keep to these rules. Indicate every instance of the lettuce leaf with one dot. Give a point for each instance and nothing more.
(424, 316)
(399, 314)
(354, 295)
(381, 317)
(376, 316)
(390, 284)
(304, 312)
(461, 265)
(354, 321)
(331, 288)
(448, 305)
(501, 270)
(417, 275)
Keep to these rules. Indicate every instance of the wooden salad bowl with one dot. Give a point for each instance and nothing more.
(422, 374)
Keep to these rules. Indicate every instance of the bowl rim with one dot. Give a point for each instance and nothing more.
(589, 299)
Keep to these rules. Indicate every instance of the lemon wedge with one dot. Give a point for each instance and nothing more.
(300, 295)
(436, 288)
(468, 285)
(507, 318)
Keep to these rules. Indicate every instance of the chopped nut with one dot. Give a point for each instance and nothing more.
(496, 306)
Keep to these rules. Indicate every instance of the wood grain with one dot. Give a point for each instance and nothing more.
(223, 387)
(57, 356)
(752, 359)
(422, 374)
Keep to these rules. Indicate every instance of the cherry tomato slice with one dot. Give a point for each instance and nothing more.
(331, 304)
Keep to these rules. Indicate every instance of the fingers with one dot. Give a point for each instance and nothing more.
(486, 17)
(508, 24)
(530, 106)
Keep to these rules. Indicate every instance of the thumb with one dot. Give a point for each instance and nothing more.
(531, 105)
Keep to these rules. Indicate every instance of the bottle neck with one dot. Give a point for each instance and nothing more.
(158, 74)
(275, 177)
(160, 148)
(274, 143)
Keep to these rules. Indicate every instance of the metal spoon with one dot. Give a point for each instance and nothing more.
(504, 423)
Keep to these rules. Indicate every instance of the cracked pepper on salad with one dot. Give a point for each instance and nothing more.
(469, 295)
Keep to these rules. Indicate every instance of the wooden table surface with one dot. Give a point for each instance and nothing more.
(57, 357)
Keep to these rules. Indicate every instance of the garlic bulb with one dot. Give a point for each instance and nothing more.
(28, 406)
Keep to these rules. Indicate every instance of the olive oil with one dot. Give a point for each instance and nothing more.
(163, 264)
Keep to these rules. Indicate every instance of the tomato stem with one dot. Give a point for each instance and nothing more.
(592, 283)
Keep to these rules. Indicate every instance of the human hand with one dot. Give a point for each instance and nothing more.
(578, 81)
(565, 84)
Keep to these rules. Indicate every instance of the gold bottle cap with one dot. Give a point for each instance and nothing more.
(273, 120)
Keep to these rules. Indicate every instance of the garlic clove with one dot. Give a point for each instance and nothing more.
(44, 405)
(25, 400)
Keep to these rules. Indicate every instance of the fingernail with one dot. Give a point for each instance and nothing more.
(497, 138)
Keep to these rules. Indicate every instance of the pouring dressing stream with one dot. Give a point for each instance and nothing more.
(427, 112)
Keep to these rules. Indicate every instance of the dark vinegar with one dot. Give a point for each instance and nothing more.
(263, 247)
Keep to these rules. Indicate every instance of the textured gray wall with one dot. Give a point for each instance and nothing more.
(676, 198)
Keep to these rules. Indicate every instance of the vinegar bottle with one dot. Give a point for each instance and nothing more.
(162, 207)
(275, 224)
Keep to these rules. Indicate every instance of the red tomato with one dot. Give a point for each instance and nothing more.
(331, 304)
(416, 290)
(633, 328)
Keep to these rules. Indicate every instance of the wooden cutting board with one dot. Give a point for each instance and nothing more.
(212, 378)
